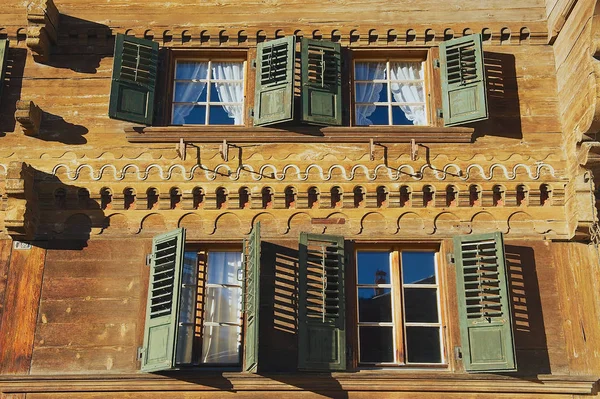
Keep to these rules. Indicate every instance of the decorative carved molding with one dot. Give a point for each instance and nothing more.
(42, 28)
(22, 215)
(29, 117)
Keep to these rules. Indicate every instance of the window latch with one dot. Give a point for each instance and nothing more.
(440, 113)
(450, 258)
(148, 259)
(140, 353)
(253, 64)
(436, 63)
(458, 353)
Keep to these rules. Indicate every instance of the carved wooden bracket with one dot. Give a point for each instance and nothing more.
(42, 28)
(21, 216)
(29, 117)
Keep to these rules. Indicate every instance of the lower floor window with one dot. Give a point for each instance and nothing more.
(398, 307)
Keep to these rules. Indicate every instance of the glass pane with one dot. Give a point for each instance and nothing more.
(223, 267)
(406, 70)
(379, 116)
(408, 92)
(222, 115)
(418, 268)
(187, 309)
(371, 92)
(420, 305)
(185, 342)
(227, 70)
(373, 267)
(376, 344)
(222, 305)
(400, 115)
(191, 70)
(369, 70)
(374, 304)
(189, 114)
(227, 93)
(221, 344)
(423, 345)
(190, 92)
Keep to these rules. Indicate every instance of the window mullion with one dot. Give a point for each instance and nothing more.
(398, 314)
(208, 90)
(389, 92)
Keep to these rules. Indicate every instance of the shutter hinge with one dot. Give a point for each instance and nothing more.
(436, 63)
(440, 113)
(450, 258)
(253, 64)
(140, 353)
(458, 353)
(251, 112)
(148, 259)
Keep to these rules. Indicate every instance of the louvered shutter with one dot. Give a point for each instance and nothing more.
(3, 58)
(484, 304)
(321, 317)
(133, 79)
(162, 308)
(464, 95)
(274, 93)
(321, 82)
(252, 287)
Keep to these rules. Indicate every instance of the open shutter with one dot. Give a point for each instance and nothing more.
(483, 303)
(464, 94)
(133, 79)
(274, 96)
(321, 318)
(321, 82)
(252, 286)
(3, 58)
(162, 308)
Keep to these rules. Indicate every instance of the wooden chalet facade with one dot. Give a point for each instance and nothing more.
(299, 199)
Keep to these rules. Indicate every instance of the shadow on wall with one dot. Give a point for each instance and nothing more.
(503, 98)
(55, 128)
(11, 92)
(528, 321)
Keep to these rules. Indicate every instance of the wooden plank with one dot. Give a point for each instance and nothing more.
(20, 309)
(88, 359)
(92, 311)
(5, 250)
(79, 335)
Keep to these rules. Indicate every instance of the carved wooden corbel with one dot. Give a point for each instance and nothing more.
(29, 117)
(42, 28)
(21, 216)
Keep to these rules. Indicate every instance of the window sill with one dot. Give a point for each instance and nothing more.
(301, 134)
(409, 381)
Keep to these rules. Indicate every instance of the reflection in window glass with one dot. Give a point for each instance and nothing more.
(200, 84)
(373, 267)
(418, 267)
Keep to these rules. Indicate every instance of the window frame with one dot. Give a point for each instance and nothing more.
(398, 309)
(243, 55)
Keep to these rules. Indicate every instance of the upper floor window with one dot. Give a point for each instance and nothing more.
(389, 93)
(208, 92)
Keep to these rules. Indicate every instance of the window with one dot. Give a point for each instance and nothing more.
(3, 58)
(398, 307)
(389, 92)
(208, 92)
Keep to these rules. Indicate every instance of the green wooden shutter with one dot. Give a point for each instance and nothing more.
(252, 287)
(321, 317)
(3, 58)
(484, 304)
(321, 82)
(162, 308)
(274, 95)
(464, 95)
(133, 79)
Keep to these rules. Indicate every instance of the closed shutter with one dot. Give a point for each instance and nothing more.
(321, 318)
(274, 94)
(483, 303)
(464, 95)
(133, 79)
(162, 308)
(252, 287)
(3, 58)
(321, 82)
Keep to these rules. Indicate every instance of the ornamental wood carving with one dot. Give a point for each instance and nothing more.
(29, 117)
(21, 216)
(42, 28)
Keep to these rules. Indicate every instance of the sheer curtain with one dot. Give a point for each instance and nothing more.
(230, 92)
(367, 92)
(409, 92)
(192, 91)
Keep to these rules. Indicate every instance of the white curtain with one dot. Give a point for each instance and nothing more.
(367, 92)
(222, 330)
(191, 93)
(230, 92)
(409, 92)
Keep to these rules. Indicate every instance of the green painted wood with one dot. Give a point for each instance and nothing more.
(464, 95)
(483, 303)
(252, 286)
(321, 82)
(162, 307)
(321, 313)
(134, 76)
(274, 93)
(3, 58)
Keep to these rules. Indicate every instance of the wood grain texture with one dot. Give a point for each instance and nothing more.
(20, 309)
